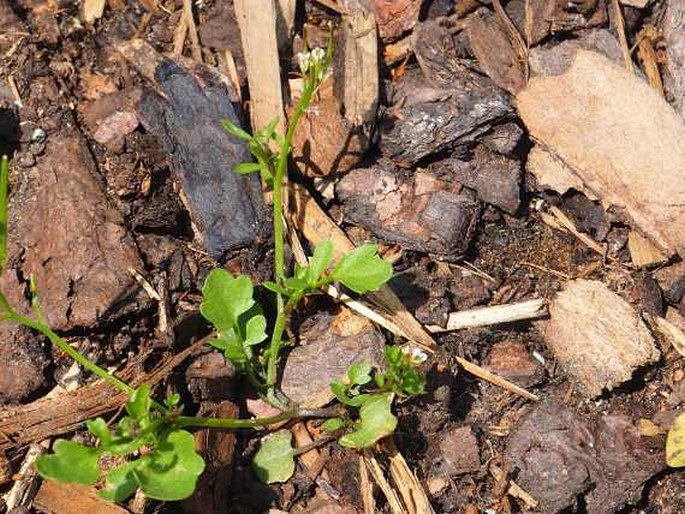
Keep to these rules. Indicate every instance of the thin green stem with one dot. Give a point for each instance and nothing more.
(279, 235)
(86, 363)
(232, 424)
(236, 424)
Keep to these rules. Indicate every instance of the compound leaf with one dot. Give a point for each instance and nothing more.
(275, 460)
(170, 472)
(376, 421)
(362, 269)
(246, 167)
(120, 482)
(225, 298)
(255, 330)
(359, 374)
(98, 427)
(70, 462)
(138, 405)
(233, 349)
(323, 255)
(235, 130)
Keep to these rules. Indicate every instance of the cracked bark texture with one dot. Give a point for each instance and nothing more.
(64, 231)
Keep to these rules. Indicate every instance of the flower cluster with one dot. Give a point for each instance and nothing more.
(314, 64)
(414, 355)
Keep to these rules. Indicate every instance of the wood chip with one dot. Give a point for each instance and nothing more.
(59, 498)
(377, 474)
(496, 314)
(674, 39)
(93, 10)
(643, 253)
(597, 337)
(360, 69)
(415, 498)
(192, 30)
(581, 114)
(257, 21)
(672, 333)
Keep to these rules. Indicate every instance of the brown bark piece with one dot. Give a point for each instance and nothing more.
(556, 58)
(597, 337)
(394, 17)
(511, 360)
(425, 119)
(459, 451)
(495, 178)
(65, 232)
(332, 344)
(619, 137)
(436, 53)
(495, 52)
(420, 212)
(23, 361)
(545, 17)
(60, 498)
(503, 139)
(112, 116)
(674, 36)
(325, 142)
(557, 456)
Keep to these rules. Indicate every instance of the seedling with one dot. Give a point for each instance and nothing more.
(151, 447)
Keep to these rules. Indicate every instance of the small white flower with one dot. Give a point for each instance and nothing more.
(304, 59)
(318, 54)
(416, 355)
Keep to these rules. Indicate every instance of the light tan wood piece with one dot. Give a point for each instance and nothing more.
(493, 315)
(361, 67)
(93, 10)
(257, 21)
(643, 252)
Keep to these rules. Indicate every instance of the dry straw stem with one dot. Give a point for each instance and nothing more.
(378, 476)
(514, 489)
(648, 58)
(621, 29)
(195, 48)
(493, 315)
(565, 222)
(414, 496)
(180, 34)
(366, 488)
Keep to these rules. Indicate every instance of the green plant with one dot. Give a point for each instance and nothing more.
(151, 447)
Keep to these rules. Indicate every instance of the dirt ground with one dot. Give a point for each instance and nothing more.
(108, 164)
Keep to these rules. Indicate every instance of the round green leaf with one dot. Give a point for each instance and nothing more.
(274, 462)
(171, 471)
(120, 482)
(70, 462)
(376, 421)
